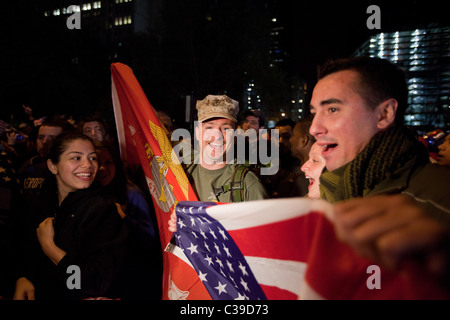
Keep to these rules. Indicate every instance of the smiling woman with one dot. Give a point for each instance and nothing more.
(75, 168)
(78, 226)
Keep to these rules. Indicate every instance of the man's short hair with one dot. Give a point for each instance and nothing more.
(94, 118)
(285, 122)
(64, 125)
(256, 113)
(379, 80)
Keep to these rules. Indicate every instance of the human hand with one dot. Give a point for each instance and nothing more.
(24, 289)
(45, 232)
(173, 222)
(120, 210)
(392, 228)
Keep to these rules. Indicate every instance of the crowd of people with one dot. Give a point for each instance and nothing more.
(73, 203)
(68, 199)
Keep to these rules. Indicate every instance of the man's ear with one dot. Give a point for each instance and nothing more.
(387, 112)
(51, 167)
(304, 141)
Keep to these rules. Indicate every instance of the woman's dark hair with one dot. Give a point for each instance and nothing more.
(61, 143)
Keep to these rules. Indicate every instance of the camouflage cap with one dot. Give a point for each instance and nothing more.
(217, 107)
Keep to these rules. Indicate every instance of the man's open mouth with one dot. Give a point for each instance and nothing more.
(329, 146)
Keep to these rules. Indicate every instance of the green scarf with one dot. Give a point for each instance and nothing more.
(388, 151)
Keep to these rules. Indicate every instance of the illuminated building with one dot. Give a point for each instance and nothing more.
(424, 54)
(113, 19)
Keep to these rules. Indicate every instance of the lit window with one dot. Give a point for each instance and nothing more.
(129, 19)
(56, 12)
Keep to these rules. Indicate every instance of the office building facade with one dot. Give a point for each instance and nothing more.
(424, 55)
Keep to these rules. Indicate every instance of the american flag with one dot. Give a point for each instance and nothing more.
(248, 250)
(214, 255)
(281, 249)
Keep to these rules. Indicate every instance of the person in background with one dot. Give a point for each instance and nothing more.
(253, 119)
(166, 121)
(142, 270)
(313, 169)
(80, 226)
(301, 140)
(443, 158)
(96, 128)
(289, 181)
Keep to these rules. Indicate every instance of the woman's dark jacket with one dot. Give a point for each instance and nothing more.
(89, 229)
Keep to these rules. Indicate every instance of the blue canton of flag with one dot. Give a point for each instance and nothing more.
(214, 255)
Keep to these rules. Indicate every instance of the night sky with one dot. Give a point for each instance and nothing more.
(37, 66)
(326, 30)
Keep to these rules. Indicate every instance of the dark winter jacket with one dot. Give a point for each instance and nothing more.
(89, 229)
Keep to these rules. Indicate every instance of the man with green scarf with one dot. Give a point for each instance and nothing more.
(391, 204)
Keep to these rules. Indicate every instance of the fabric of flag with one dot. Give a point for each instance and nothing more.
(214, 255)
(144, 143)
(271, 244)
(288, 247)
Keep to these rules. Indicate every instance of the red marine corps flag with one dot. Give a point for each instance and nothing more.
(143, 142)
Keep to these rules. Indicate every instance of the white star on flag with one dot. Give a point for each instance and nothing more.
(193, 248)
(202, 276)
(221, 288)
